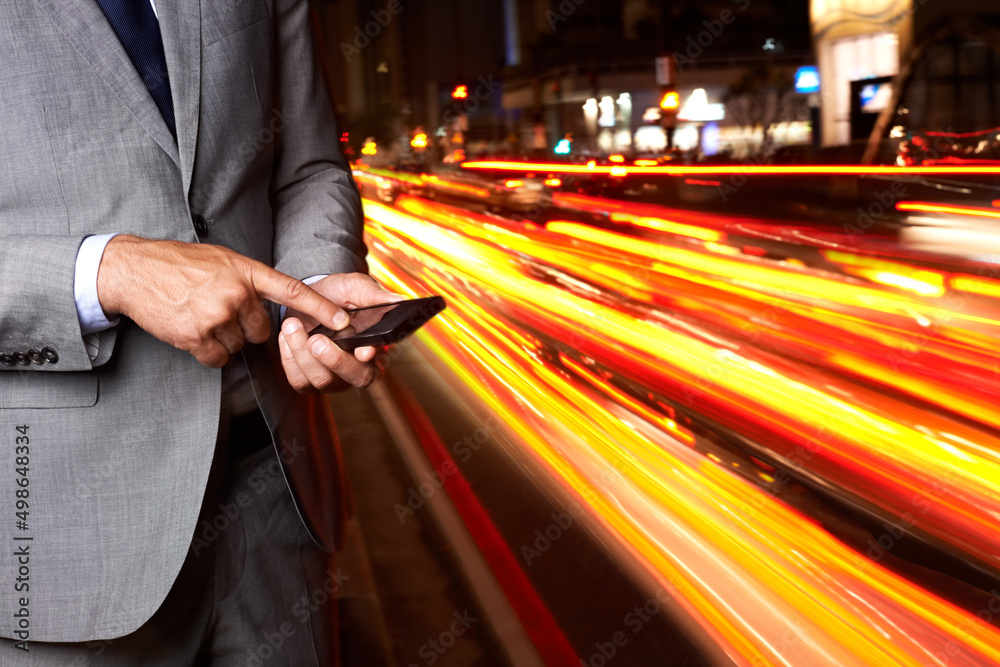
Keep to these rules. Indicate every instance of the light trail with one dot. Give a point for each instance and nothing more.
(954, 209)
(884, 450)
(722, 170)
(445, 184)
(672, 315)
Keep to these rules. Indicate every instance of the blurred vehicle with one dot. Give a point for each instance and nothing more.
(945, 111)
(519, 195)
(945, 102)
(386, 184)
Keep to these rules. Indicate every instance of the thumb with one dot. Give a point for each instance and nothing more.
(361, 291)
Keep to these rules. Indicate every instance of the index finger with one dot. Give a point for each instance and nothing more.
(287, 291)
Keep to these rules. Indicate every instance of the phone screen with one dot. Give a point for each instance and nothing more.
(384, 323)
(363, 319)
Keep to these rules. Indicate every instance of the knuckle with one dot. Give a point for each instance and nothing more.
(324, 381)
(258, 328)
(258, 319)
(258, 335)
(212, 357)
(242, 296)
(242, 264)
(193, 342)
(217, 315)
(365, 379)
(333, 360)
(295, 290)
(230, 339)
(294, 375)
(293, 343)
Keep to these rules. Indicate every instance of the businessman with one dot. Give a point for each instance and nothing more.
(175, 217)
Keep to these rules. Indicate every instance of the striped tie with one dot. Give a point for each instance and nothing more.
(139, 32)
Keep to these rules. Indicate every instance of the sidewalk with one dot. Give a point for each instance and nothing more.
(403, 602)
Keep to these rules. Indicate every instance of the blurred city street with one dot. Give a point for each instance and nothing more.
(717, 380)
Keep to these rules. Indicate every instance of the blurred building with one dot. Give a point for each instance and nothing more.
(946, 49)
(588, 69)
(394, 64)
(751, 76)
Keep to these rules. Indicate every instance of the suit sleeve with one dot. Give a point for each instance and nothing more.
(317, 208)
(37, 304)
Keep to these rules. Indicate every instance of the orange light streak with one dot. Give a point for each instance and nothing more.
(976, 285)
(631, 403)
(364, 171)
(910, 283)
(971, 211)
(436, 182)
(764, 170)
(661, 225)
(921, 281)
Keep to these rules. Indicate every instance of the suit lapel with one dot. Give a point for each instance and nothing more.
(86, 27)
(180, 26)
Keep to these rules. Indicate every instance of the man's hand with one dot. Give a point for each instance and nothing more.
(314, 363)
(203, 299)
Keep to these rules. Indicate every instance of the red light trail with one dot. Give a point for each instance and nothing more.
(724, 170)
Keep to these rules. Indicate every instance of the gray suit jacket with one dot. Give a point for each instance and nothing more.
(116, 452)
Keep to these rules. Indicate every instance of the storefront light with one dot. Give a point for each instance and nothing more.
(590, 112)
(697, 108)
(607, 117)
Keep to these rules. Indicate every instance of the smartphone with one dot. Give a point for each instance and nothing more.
(385, 323)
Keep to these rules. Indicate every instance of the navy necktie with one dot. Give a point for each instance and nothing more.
(139, 32)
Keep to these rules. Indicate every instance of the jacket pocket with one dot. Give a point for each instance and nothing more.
(231, 17)
(25, 389)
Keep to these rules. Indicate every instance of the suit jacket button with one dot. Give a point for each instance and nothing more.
(200, 225)
(22, 358)
(7, 359)
(35, 357)
(50, 355)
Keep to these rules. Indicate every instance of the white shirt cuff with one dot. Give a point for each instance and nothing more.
(88, 305)
(308, 281)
